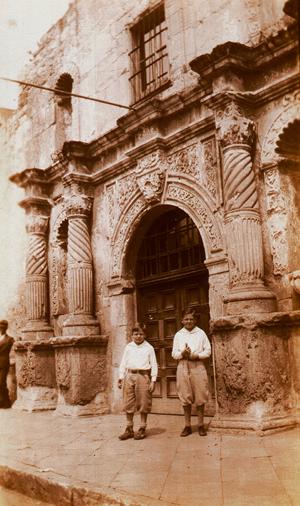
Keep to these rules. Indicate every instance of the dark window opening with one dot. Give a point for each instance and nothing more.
(64, 83)
(150, 66)
(171, 246)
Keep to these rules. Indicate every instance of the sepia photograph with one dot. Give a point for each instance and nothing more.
(150, 253)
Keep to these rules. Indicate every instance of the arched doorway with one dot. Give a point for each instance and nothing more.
(170, 275)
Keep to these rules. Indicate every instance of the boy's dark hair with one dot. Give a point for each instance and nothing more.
(138, 328)
(190, 310)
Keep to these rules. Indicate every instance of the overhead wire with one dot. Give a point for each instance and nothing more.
(58, 91)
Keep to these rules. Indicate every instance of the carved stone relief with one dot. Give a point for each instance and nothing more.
(111, 204)
(211, 165)
(121, 238)
(199, 161)
(252, 366)
(277, 221)
(233, 127)
(187, 160)
(192, 201)
(290, 110)
(126, 186)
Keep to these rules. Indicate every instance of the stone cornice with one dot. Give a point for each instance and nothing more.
(36, 203)
(243, 59)
(288, 319)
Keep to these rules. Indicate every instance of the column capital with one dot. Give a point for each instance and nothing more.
(37, 214)
(233, 126)
(77, 206)
(34, 181)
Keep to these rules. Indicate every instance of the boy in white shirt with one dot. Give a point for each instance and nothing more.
(190, 347)
(137, 376)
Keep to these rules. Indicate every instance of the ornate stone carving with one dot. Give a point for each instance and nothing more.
(241, 385)
(193, 202)
(121, 238)
(37, 224)
(126, 187)
(111, 204)
(290, 110)
(75, 205)
(151, 185)
(199, 161)
(150, 176)
(277, 221)
(234, 127)
(211, 165)
(63, 370)
(186, 160)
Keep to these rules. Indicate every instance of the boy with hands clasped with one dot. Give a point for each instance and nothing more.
(137, 376)
(190, 347)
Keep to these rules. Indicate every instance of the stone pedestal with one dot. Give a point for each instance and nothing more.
(253, 373)
(81, 375)
(35, 373)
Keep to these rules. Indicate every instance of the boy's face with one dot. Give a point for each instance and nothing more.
(138, 336)
(189, 321)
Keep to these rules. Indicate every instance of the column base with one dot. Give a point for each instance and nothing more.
(98, 406)
(36, 330)
(81, 325)
(35, 398)
(258, 300)
(240, 424)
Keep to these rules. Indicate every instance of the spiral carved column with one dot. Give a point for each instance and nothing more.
(79, 270)
(242, 217)
(36, 271)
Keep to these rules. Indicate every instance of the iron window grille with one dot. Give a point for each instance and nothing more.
(149, 57)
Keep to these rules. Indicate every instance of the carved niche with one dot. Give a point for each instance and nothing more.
(290, 110)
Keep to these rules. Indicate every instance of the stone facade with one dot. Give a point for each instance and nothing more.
(219, 143)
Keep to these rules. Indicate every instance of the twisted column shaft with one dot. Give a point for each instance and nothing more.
(243, 228)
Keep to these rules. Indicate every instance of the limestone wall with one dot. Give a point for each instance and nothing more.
(92, 42)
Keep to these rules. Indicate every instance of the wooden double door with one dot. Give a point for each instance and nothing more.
(160, 306)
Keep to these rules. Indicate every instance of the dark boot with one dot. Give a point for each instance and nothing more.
(127, 434)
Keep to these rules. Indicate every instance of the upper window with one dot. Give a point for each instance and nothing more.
(149, 54)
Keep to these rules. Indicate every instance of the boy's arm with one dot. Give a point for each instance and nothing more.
(122, 369)
(206, 349)
(176, 351)
(153, 364)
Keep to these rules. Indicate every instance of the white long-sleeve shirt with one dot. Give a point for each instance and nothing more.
(196, 339)
(138, 356)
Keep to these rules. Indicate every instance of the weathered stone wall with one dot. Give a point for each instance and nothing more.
(92, 42)
(12, 230)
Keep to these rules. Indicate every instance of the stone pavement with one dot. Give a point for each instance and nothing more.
(80, 461)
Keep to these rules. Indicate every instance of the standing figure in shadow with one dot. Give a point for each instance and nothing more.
(6, 343)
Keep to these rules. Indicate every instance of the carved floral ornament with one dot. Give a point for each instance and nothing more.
(290, 110)
(233, 127)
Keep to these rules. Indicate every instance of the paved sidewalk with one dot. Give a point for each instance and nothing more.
(80, 461)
